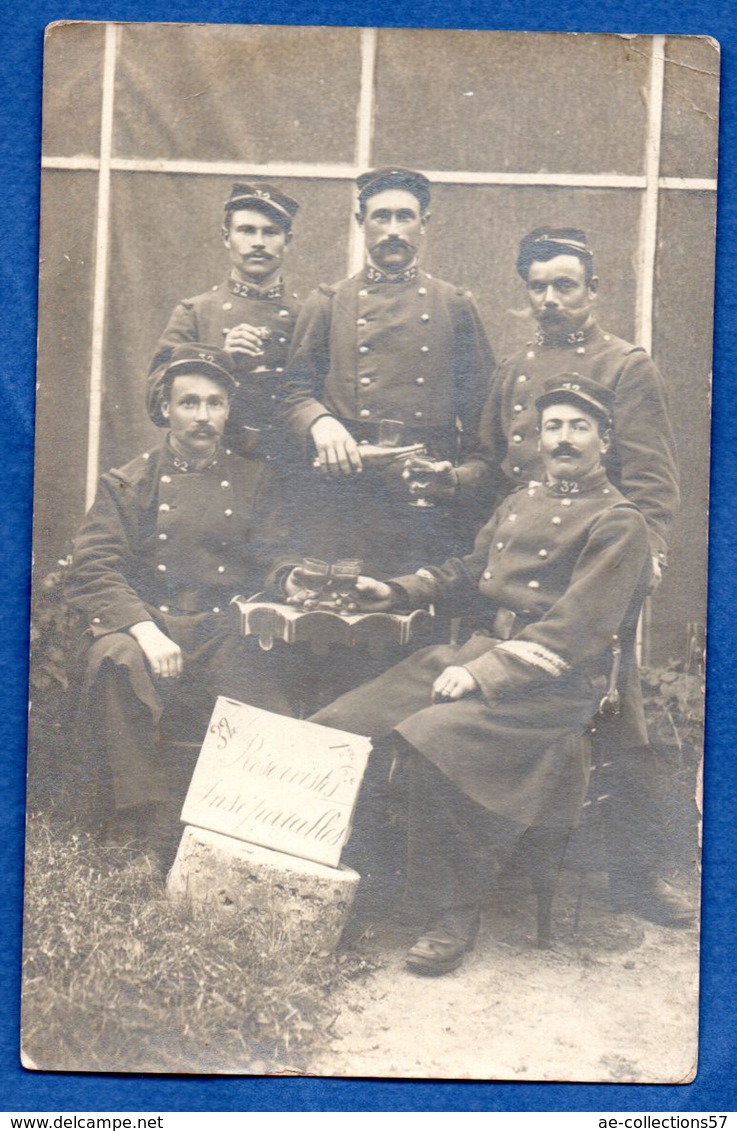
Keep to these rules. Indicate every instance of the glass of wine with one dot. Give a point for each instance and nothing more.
(390, 433)
(343, 576)
(418, 473)
(314, 575)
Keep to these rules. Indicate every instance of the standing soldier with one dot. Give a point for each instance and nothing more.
(389, 356)
(557, 267)
(248, 315)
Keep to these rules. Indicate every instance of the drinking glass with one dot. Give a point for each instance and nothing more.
(343, 576)
(314, 575)
(418, 473)
(390, 433)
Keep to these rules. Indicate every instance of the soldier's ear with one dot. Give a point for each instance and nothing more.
(225, 232)
(360, 217)
(288, 233)
(424, 221)
(593, 286)
(606, 440)
(165, 409)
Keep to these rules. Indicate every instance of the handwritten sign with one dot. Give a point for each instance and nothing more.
(282, 783)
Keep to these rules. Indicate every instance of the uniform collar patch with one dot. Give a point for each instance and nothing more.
(183, 465)
(250, 290)
(573, 339)
(590, 482)
(374, 275)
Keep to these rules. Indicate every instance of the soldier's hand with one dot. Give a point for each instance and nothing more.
(244, 339)
(373, 596)
(298, 590)
(337, 451)
(453, 683)
(432, 479)
(163, 655)
(656, 573)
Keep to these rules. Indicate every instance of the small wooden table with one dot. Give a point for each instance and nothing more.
(323, 630)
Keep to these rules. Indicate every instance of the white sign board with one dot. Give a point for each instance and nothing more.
(282, 783)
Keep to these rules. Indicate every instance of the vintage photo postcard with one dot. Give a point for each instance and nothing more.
(371, 495)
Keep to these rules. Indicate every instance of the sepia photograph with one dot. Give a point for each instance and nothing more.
(368, 626)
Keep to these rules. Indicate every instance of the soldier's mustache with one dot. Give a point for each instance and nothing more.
(566, 450)
(394, 241)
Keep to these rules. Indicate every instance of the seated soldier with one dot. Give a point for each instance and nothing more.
(552, 576)
(171, 537)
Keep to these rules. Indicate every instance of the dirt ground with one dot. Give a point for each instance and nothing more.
(614, 1000)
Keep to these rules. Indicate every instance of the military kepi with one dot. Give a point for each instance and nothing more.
(193, 357)
(394, 177)
(265, 198)
(546, 243)
(575, 388)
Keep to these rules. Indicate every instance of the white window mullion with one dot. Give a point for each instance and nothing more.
(364, 133)
(102, 242)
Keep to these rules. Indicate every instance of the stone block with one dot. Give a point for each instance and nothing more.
(214, 874)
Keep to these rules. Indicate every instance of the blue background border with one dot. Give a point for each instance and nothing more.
(715, 1088)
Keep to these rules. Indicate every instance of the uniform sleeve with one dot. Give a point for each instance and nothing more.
(491, 437)
(269, 545)
(645, 448)
(474, 366)
(455, 583)
(181, 328)
(100, 581)
(610, 574)
(309, 362)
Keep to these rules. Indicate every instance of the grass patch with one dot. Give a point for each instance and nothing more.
(118, 979)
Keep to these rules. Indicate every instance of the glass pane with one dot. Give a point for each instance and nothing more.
(683, 346)
(68, 204)
(229, 93)
(691, 108)
(73, 55)
(511, 103)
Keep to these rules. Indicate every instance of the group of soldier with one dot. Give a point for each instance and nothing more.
(546, 486)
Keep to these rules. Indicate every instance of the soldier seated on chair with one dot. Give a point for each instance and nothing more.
(171, 537)
(552, 576)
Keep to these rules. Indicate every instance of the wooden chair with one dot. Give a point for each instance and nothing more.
(543, 849)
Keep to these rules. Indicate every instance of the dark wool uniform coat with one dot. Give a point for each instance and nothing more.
(172, 546)
(642, 462)
(367, 349)
(207, 318)
(568, 564)
(642, 459)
